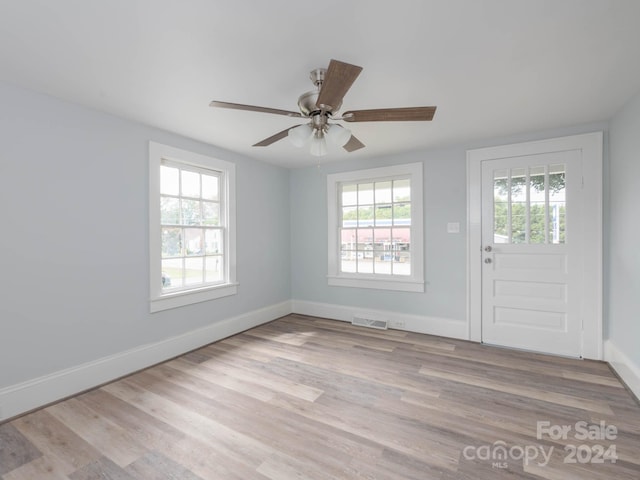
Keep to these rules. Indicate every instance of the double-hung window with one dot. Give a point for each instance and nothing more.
(192, 232)
(376, 229)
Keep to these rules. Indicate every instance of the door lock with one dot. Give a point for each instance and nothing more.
(488, 248)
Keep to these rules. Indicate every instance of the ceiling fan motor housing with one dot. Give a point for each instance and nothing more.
(307, 103)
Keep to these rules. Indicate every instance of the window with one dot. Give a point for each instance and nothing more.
(192, 227)
(375, 228)
(529, 205)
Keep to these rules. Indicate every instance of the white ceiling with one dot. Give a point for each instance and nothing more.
(493, 67)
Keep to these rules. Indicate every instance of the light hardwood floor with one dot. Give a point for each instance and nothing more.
(310, 398)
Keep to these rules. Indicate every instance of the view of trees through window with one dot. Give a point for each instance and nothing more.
(191, 227)
(529, 205)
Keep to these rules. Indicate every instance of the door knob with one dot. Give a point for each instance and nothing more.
(488, 248)
(487, 260)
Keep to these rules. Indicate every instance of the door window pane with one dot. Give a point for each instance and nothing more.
(529, 205)
(557, 204)
(518, 205)
(537, 205)
(501, 222)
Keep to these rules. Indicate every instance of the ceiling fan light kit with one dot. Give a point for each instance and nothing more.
(300, 135)
(322, 104)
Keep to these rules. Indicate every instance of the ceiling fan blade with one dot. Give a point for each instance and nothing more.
(353, 144)
(337, 81)
(274, 138)
(254, 108)
(390, 114)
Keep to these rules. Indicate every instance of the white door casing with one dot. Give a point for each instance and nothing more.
(537, 293)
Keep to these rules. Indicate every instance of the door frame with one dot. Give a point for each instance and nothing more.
(591, 147)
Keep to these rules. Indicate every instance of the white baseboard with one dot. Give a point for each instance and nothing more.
(628, 371)
(26, 396)
(444, 327)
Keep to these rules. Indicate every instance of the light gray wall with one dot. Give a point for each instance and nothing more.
(445, 254)
(74, 240)
(623, 265)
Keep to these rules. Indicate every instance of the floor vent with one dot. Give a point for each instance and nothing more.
(369, 322)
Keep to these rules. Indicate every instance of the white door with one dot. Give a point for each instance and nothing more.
(532, 252)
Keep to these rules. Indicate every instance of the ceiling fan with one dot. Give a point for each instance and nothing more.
(321, 105)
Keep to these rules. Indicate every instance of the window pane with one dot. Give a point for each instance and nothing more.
(191, 214)
(383, 192)
(402, 214)
(365, 194)
(349, 194)
(172, 273)
(211, 213)
(518, 206)
(190, 184)
(214, 271)
(348, 239)
(401, 190)
(501, 206)
(383, 214)
(365, 237)
(193, 270)
(210, 187)
(171, 242)
(382, 263)
(402, 263)
(213, 241)
(401, 239)
(349, 216)
(193, 241)
(348, 261)
(365, 216)
(169, 211)
(537, 205)
(557, 205)
(169, 178)
(365, 264)
(382, 239)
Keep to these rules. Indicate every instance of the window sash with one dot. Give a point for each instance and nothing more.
(208, 270)
(383, 278)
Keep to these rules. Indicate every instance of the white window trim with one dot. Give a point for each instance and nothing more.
(412, 283)
(158, 300)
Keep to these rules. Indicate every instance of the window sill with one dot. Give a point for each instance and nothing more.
(180, 299)
(379, 284)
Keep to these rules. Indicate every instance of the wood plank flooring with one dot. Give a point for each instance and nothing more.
(310, 398)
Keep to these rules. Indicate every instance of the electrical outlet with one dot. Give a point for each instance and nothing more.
(397, 324)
